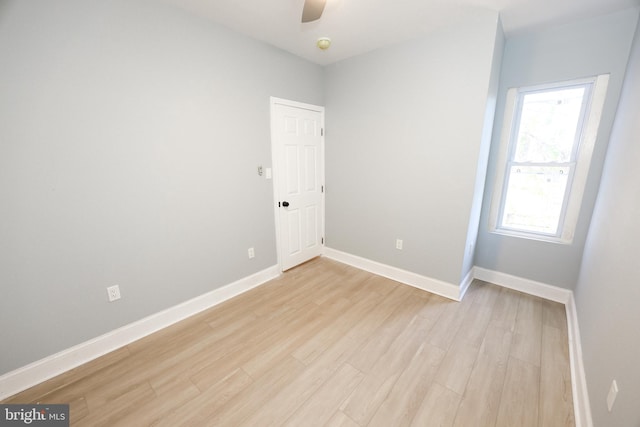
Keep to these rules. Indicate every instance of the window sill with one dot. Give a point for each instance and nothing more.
(531, 236)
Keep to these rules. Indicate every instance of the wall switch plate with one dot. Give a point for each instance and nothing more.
(611, 397)
(399, 244)
(251, 252)
(113, 292)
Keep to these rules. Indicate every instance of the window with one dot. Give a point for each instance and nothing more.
(546, 145)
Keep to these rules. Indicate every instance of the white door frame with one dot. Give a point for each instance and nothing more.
(275, 167)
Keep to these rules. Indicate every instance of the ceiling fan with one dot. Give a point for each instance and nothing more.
(312, 10)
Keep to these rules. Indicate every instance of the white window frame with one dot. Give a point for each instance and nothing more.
(577, 180)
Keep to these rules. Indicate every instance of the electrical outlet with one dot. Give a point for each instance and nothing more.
(613, 393)
(399, 244)
(252, 253)
(113, 292)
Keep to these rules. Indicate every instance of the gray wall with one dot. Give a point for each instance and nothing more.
(130, 134)
(403, 147)
(483, 155)
(588, 48)
(607, 294)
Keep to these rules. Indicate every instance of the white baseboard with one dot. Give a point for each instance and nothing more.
(581, 405)
(429, 284)
(531, 287)
(466, 282)
(49, 367)
(20, 379)
(580, 394)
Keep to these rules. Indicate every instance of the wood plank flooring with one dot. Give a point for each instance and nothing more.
(329, 345)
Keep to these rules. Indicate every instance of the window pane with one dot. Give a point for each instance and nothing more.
(534, 198)
(548, 125)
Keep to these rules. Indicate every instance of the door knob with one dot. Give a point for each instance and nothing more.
(285, 204)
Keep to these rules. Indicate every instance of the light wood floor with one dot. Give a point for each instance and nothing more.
(329, 345)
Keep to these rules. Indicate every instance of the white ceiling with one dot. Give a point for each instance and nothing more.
(358, 26)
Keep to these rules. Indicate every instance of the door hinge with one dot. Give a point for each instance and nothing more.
(279, 205)
(322, 240)
(321, 131)
(322, 188)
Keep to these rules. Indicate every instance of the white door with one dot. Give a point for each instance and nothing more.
(298, 160)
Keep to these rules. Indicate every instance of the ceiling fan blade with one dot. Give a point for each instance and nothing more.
(312, 10)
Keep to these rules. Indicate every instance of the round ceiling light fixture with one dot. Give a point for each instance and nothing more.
(323, 43)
